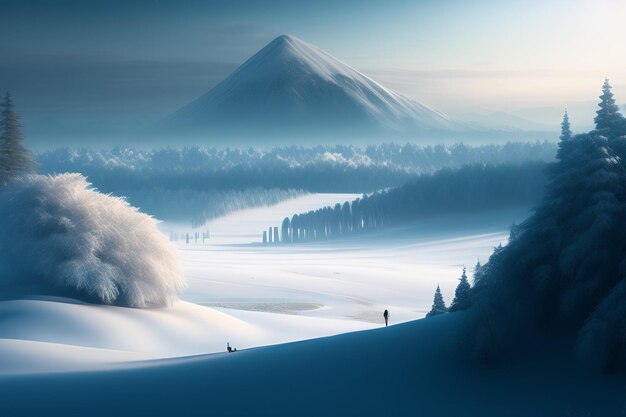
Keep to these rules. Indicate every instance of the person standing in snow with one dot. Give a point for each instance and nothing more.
(386, 316)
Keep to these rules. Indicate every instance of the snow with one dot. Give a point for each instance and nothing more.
(54, 334)
(353, 279)
(78, 359)
(403, 370)
(251, 294)
(293, 84)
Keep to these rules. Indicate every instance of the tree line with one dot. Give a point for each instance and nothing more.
(470, 188)
(315, 169)
(562, 273)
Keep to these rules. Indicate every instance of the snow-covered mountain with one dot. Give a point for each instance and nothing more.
(291, 90)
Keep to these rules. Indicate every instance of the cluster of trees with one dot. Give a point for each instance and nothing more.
(315, 169)
(198, 183)
(470, 188)
(15, 160)
(562, 273)
(462, 296)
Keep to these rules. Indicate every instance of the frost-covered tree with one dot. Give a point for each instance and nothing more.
(439, 306)
(566, 132)
(462, 294)
(15, 160)
(609, 121)
(60, 237)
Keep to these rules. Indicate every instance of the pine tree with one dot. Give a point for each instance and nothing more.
(609, 121)
(461, 294)
(14, 158)
(566, 133)
(439, 306)
(477, 272)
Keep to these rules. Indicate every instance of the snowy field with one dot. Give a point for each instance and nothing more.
(249, 294)
(350, 279)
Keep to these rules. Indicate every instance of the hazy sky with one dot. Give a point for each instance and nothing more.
(81, 65)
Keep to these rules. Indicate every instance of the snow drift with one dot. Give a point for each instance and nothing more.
(61, 237)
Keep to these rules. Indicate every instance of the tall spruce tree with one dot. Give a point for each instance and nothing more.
(14, 158)
(461, 299)
(566, 132)
(609, 121)
(439, 306)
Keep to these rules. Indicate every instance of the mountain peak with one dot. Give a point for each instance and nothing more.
(287, 44)
(286, 38)
(294, 89)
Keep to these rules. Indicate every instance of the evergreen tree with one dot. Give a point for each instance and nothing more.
(566, 133)
(477, 272)
(14, 158)
(439, 306)
(461, 294)
(609, 121)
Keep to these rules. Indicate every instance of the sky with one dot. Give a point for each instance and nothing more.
(77, 67)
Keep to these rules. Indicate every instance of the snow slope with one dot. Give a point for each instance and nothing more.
(54, 334)
(291, 89)
(404, 370)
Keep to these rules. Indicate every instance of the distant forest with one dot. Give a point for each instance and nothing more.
(197, 184)
(315, 169)
(470, 188)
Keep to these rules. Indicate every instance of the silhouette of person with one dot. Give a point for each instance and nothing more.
(230, 349)
(386, 316)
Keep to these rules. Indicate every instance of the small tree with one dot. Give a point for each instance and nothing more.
(14, 158)
(461, 294)
(439, 306)
(609, 121)
(566, 132)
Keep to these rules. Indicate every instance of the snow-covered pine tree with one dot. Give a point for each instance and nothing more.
(439, 306)
(566, 132)
(15, 160)
(609, 121)
(462, 295)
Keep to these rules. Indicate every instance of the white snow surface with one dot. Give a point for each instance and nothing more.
(249, 294)
(293, 82)
(411, 369)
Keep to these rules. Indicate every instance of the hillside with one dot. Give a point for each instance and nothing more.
(404, 370)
